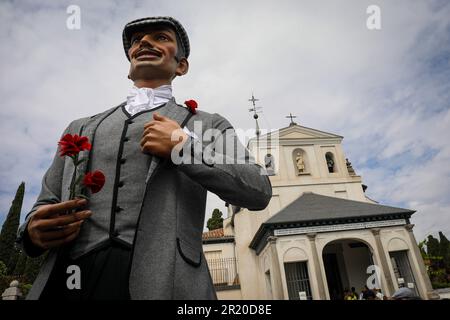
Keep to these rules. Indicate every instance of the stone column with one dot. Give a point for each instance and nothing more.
(316, 265)
(423, 272)
(383, 262)
(277, 289)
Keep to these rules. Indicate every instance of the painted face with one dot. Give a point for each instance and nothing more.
(153, 54)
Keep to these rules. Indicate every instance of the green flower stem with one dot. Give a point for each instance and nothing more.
(72, 183)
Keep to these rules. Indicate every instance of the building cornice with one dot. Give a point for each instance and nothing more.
(261, 237)
(219, 240)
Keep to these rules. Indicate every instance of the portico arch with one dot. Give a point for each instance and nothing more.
(345, 263)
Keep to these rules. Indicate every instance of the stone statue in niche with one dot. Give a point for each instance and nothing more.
(330, 164)
(350, 169)
(300, 163)
(269, 163)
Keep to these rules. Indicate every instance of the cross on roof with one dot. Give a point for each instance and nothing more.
(253, 100)
(292, 118)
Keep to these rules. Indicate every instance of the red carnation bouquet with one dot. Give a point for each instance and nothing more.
(71, 146)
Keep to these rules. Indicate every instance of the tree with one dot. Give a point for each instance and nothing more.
(444, 249)
(8, 253)
(422, 245)
(433, 246)
(437, 258)
(216, 220)
(20, 265)
(4, 278)
(2, 269)
(32, 267)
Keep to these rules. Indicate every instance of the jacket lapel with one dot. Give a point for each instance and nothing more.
(88, 130)
(176, 113)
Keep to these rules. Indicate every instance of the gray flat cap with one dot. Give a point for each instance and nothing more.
(136, 25)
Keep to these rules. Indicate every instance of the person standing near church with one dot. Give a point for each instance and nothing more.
(141, 236)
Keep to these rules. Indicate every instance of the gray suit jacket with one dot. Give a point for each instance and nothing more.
(168, 260)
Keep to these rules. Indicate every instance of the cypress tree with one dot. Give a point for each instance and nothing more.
(433, 246)
(20, 265)
(444, 249)
(32, 267)
(8, 252)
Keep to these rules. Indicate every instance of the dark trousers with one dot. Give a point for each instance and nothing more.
(104, 276)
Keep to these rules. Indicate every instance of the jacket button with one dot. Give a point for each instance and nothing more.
(116, 233)
(120, 184)
(122, 161)
(126, 139)
(119, 208)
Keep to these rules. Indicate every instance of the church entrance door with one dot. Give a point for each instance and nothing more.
(346, 262)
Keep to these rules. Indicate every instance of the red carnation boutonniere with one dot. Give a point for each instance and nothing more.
(71, 146)
(94, 181)
(191, 105)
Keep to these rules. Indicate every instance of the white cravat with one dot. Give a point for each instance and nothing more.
(140, 99)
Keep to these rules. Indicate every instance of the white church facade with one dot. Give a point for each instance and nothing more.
(320, 233)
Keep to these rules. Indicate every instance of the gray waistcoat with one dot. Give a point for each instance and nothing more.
(115, 209)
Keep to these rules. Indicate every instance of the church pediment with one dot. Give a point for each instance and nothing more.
(296, 132)
(297, 135)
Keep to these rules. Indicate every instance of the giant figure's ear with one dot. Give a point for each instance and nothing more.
(182, 68)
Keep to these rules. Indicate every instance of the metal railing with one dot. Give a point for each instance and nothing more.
(223, 272)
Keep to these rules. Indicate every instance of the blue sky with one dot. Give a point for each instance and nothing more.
(386, 91)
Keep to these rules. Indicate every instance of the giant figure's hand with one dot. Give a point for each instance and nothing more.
(54, 225)
(161, 135)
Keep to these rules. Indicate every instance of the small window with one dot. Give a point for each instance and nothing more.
(331, 163)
